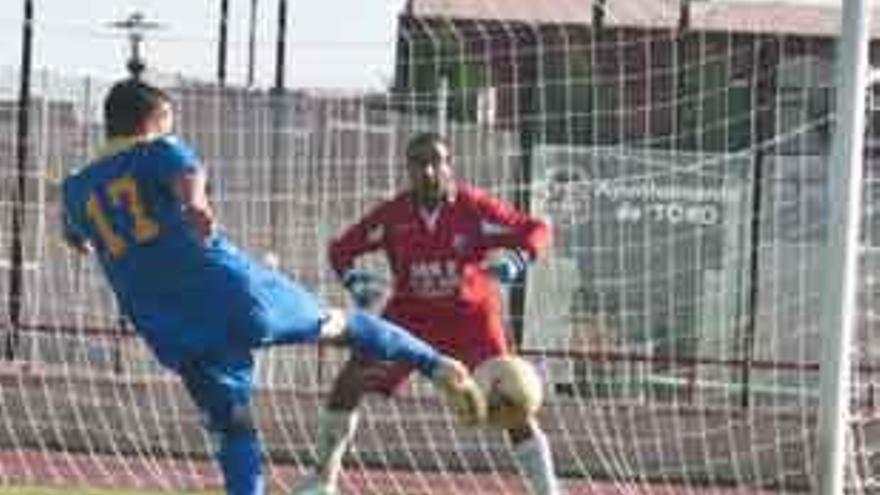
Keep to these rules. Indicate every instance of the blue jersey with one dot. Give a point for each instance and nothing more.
(186, 296)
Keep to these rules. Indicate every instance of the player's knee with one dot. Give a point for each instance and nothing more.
(237, 422)
(232, 428)
(241, 419)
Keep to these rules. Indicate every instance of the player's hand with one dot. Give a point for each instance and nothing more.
(506, 265)
(366, 288)
(462, 393)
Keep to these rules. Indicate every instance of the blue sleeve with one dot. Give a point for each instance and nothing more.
(173, 157)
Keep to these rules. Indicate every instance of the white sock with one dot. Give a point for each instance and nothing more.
(335, 430)
(536, 463)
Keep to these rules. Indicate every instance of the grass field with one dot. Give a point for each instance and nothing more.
(37, 490)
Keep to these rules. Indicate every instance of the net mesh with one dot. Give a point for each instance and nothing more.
(682, 159)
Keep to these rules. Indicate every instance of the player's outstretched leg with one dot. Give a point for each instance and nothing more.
(295, 315)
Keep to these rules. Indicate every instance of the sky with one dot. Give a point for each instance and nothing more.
(330, 43)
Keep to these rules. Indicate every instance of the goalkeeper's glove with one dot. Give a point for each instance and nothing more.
(366, 288)
(507, 265)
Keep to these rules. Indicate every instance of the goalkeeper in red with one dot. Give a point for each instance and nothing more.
(199, 302)
(448, 245)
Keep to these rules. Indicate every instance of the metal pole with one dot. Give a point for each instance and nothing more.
(530, 105)
(252, 44)
(599, 14)
(16, 281)
(443, 105)
(764, 77)
(839, 308)
(280, 45)
(278, 109)
(221, 42)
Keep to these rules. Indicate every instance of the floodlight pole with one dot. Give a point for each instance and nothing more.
(252, 43)
(221, 42)
(278, 109)
(136, 26)
(281, 46)
(16, 282)
(839, 309)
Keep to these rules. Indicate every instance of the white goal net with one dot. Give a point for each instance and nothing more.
(680, 151)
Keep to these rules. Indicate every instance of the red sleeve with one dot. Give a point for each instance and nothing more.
(368, 234)
(505, 226)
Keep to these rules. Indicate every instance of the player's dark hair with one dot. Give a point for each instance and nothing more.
(128, 103)
(421, 142)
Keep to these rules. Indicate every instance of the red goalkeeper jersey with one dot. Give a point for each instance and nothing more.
(440, 289)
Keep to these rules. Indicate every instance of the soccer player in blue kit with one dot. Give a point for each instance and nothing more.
(201, 304)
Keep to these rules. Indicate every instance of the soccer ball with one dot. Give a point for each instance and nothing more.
(513, 390)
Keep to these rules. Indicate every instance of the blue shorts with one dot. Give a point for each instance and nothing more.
(238, 304)
(271, 309)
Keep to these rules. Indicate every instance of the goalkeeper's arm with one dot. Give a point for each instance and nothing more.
(366, 288)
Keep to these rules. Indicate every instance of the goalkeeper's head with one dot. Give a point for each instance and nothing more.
(135, 108)
(429, 166)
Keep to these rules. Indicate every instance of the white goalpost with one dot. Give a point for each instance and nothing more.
(705, 321)
(839, 314)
